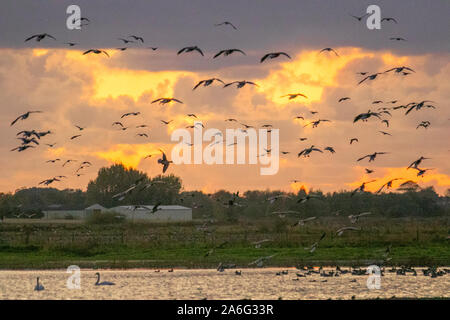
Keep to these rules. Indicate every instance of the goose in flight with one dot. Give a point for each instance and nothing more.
(40, 37)
(330, 149)
(104, 283)
(166, 122)
(370, 77)
(385, 133)
(385, 122)
(355, 218)
(343, 99)
(80, 128)
(240, 84)
(190, 49)
(28, 141)
(388, 185)
(24, 116)
(38, 287)
(361, 188)
(49, 181)
(227, 52)
(316, 123)
(420, 105)
(302, 222)
(22, 148)
(164, 161)
(397, 39)
(293, 96)
(226, 23)
(308, 197)
(424, 124)
(258, 244)
(273, 55)
(68, 161)
(231, 120)
(421, 172)
(389, 19)
(130, 114)
(166, 100)
(118, 124)
(353, 140)
(76, 136)
(71, 44)
(372, 156)
(369, 171)
(53, 161)
(358, 18)
(306, 152)
(398, 70)
(192, 115)
(142, 135)
(260, 261)
(207, 82)
(417, 162)
(137, 38)
(366, 115)
(274, 198)
(340, 231)
(314, 246)
(96, 51)
(125, 41)
(329, 50)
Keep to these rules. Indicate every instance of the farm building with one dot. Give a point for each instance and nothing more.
(164, 213)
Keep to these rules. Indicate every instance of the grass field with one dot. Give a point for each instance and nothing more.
(417, 242)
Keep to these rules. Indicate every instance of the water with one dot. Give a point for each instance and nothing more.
(206, 283)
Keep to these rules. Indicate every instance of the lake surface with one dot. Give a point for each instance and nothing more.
(198, 284)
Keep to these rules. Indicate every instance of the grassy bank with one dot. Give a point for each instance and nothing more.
(184, 245)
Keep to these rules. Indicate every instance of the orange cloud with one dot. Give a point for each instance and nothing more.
(128, 154)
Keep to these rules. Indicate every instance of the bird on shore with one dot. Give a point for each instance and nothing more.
(190, 49)
(227, 52)
(273, 55)
(38, 287)
(104, 283)
(24, 116)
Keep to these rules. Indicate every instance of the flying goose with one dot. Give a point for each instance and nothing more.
(22, 148)
(190, 49)
(164, 161)
(416, 163)
(370, 77)
(329, 50)
(388, 185)
(130, 114)
(293, 96)
(125, 41)
(137, 38)
(273, 55)
(330, 149)
(314, 246)
(308, 197)
(421, 172)
(424, 124)
(96, 51)
(366, 115)
(302, 222)
(306, 152)
(355, 218)
(389, 19)
(361, 188)
(316, 123)
(258, 244)
(372, 156)
(343, 99)
(353, 140)
(240, 84)
(24, 116)
(166, 100)
(340, 231)
(260, 261)
(227, 52)
(358, 18)
(40, 37)
(226, 23)
(207, 82)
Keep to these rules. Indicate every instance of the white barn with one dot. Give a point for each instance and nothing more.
(164, 213)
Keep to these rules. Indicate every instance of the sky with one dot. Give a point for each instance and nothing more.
(93, 91)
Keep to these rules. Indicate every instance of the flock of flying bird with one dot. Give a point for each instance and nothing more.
(32, 138)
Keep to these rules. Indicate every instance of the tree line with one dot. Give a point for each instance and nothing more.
(222, 205)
